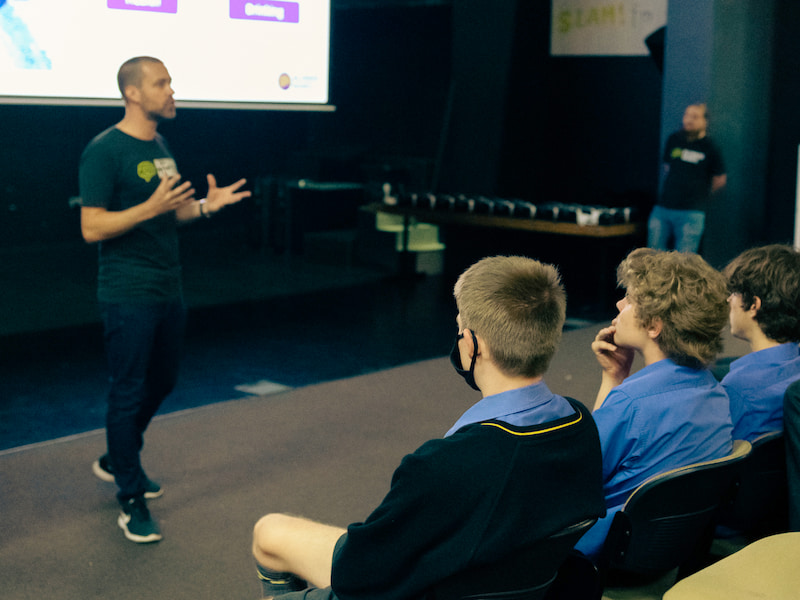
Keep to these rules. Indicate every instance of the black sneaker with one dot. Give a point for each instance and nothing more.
(136, 522)
(103, 470)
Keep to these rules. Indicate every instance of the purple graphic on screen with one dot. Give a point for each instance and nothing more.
(165, 6)
(266, 10)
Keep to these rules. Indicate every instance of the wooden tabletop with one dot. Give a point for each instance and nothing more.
(446, 217)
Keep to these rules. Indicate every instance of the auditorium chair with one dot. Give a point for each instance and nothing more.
(526, 574)
(668, 523)
(760, 505)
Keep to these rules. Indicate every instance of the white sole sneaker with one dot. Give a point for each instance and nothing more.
(152, 490)
(101, 473)
(149, 538)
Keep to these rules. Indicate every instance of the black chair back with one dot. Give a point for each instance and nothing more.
(668, 517)
(527, 574)
(760, 506)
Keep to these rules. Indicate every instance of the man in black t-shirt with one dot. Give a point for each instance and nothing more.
(694, 173)
(132, 202)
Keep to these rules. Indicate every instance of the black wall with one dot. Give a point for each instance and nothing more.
(426, 95)
(390, 71)
(784, 126)
(578, 129)
(41, 147)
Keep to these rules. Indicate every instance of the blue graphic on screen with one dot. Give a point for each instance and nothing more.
(24, 51)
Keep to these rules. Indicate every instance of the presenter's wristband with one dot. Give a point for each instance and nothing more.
(203, 212)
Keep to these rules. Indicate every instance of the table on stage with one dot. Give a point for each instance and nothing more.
(587, 255)
(442, 217)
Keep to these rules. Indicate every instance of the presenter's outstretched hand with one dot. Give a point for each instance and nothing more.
(219, 197)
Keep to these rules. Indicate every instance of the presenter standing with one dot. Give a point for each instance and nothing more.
(694, 174)
(132, 202)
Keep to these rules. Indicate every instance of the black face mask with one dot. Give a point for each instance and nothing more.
(455, 359)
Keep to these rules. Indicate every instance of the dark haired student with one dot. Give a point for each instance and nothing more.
(764, 302)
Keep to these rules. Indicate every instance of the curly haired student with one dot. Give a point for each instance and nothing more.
(672, 412)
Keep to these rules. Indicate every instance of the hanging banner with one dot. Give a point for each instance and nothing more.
(604, 27)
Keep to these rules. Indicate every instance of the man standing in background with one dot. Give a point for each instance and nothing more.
(132, 203)
(694, 173)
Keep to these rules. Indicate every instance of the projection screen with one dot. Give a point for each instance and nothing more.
(253, 54)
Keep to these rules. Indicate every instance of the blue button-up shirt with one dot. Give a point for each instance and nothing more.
(527, 406)
(660, 418)
(756, 384)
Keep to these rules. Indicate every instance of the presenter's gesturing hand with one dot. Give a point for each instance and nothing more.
(99, 223)
(219, 197)
(169, 196)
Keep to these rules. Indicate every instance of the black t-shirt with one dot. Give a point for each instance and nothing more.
(692, 164)
(118, 171)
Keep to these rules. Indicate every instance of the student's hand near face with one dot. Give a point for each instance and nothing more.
(615, 361)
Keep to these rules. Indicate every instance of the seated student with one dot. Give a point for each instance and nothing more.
(494, 484)
(764, 301)
(791, 410)
(672, 412)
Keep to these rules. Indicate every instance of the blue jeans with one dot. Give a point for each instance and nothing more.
(143, 345)
(685, 227)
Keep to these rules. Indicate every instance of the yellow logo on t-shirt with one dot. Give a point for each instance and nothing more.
(163, 167)
(686, 155)
(146, 170)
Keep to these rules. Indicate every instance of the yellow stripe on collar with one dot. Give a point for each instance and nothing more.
(548, 430)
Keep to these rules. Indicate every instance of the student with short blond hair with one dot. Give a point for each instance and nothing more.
(520, 464)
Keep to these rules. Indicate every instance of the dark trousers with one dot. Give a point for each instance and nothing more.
(143, 345)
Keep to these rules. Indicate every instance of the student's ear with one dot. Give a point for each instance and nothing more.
(468, 333)
(654, 329)
(755, 306)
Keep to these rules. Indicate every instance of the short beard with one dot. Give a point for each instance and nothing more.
(158, 117)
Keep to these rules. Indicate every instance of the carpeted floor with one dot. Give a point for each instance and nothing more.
(302, 387)
(253, 318)
(54, 382)
(325, 451)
